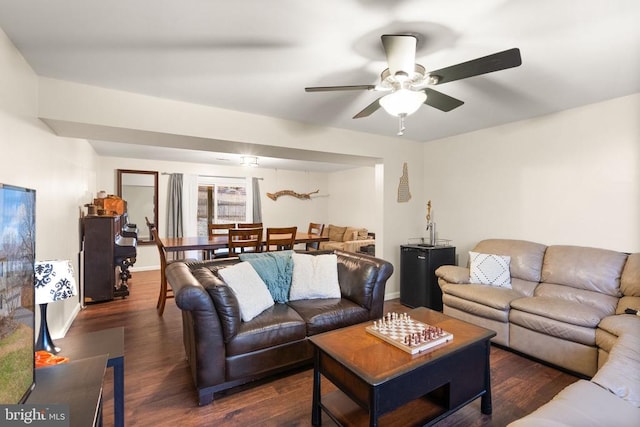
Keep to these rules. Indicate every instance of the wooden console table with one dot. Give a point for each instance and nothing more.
(77, 384)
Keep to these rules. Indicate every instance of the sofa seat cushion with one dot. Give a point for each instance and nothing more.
(583, 404)
(491, 296)
(276, 325)
(570, 312)
(474, 308)
(553, 328)
(621, 373)
(604, 303)
(323, 315)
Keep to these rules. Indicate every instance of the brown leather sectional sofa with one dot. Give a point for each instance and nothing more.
(223, 351)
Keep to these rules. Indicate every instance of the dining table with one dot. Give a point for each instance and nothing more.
(219, 241)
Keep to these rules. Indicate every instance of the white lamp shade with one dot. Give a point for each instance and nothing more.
(403, 102)
(54, 281)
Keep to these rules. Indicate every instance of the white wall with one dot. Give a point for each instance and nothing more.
(352, 198)
(567, 178)
(61, 170)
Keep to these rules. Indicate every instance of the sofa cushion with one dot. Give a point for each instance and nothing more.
(224, 300)
(605, 303)
(621, 324)
(489, 269)
(551, 327)
(570, 312)
(526, 257)
(630, 284)
(592, 269)
(251, 292)
(621, 373)
(275, 269)
(495, 297)
(323, 315)
(355, 233)
(583, 404)
(336, 233)
(278, 324)
(314, 276)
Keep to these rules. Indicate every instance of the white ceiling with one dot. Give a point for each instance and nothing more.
(257, 57)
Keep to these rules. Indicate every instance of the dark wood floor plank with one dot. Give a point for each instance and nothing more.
(159, 389)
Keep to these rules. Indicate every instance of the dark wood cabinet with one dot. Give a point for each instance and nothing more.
(418, 282)
(100, 270)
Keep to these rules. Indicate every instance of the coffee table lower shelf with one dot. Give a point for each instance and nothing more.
(345, 412)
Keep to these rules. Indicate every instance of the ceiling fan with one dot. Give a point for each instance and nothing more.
(407, 82)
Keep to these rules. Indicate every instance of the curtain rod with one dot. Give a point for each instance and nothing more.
(219, 176)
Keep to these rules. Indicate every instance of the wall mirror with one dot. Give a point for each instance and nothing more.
(140, 190)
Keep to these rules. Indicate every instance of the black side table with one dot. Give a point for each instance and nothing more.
(77, 384)
(109, 342)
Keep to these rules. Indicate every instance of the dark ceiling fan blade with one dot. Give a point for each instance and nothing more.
(441, 101)
(336, 88)
(401, 52)
(487, 64)
(368, 110)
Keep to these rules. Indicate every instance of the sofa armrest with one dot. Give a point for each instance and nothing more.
(363, 280)
(453, 274)
(202, 330)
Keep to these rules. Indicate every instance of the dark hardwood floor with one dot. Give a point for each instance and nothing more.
(159, 390)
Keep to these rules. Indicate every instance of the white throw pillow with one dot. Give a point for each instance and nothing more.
(251, 292)
(488, 269)
(314, 276)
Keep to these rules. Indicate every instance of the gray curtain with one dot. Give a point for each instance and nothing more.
(257, 205)
(174, 206)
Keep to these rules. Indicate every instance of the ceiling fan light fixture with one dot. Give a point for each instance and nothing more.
(403, 102)
(249, 161)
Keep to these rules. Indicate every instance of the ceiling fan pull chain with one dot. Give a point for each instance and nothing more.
(401, 127)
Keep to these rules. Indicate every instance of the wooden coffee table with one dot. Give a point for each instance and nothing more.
(378, 382)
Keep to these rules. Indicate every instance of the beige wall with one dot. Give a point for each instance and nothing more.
(568, 178)
(61, 170)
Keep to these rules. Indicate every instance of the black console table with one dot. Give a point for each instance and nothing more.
(109, 342)
(77, 384)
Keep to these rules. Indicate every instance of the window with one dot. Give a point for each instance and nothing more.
(222, 200)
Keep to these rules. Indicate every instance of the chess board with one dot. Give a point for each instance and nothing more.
(407, 334)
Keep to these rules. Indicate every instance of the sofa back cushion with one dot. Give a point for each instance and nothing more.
(335, 233)
(526, 257)
(591, 269)
(224, 300)
(630, 284)
(357, 277)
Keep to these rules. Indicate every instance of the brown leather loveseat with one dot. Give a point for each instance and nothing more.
(224, 351)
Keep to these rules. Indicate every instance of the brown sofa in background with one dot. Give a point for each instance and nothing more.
(349, 239)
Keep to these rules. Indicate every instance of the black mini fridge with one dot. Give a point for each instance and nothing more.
(418, 282)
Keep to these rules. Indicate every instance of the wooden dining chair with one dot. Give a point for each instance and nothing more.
(244, 240)
(215, 229)
(165, 291)
(280, 238)
(316, 230)
(250, 225)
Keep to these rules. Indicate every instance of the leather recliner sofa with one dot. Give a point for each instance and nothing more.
(223, 351)
(567, 307)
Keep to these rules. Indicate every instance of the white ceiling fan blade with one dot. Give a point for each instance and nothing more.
(401, 52)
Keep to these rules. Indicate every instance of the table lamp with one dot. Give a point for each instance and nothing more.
(54, 281)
